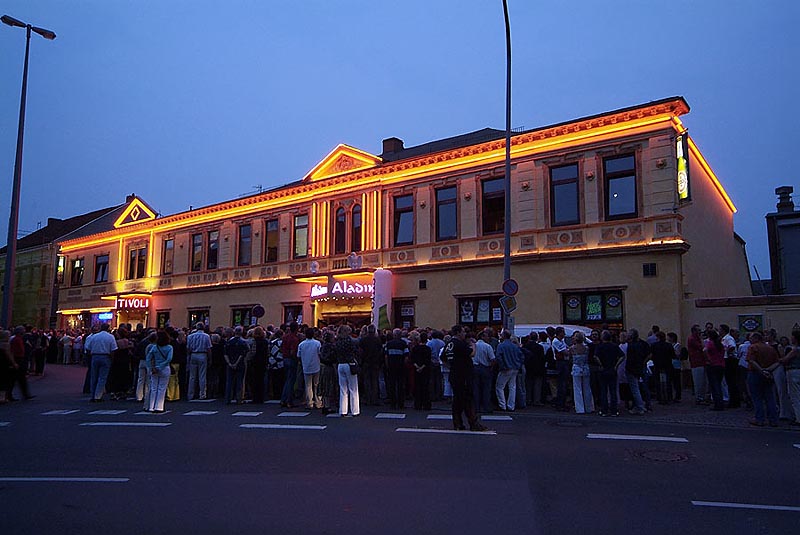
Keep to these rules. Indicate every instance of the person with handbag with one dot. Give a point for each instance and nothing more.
(346, 352)
(159, 357)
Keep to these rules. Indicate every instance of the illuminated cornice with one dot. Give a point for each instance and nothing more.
(342, 160)
(375, 173)
(695, 152)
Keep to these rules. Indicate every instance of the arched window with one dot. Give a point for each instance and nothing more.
(340, 232)
(355, 235)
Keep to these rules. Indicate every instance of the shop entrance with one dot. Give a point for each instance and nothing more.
(355, 320)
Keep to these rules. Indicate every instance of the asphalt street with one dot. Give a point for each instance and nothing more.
(215, 468)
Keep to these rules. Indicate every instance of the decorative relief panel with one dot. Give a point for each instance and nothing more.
(490, 247)
(298, 268)
(402, 257)
(268, 272)
(165, 282)
(565, 239)
(624, 233)
(445, 252)
(526, 243)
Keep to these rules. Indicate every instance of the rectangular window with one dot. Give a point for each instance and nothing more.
(493, 205)
(301, 236)
(168, 257)
(242, 316)
(593, 309)
(196, 263)
(620, 184)
(564, 195)
(446, 214)
(101, 268)
(212, 262)
(649, 270)
(339, 232)
(137, 262)
(162, 319)
(45, 274)
(199, 315)
(355, 231)
(77, 272)
(292, 313)
(404, 220)
(61, 267)
(480, 312)
(245, 250)
(404, 314)
(271, 241)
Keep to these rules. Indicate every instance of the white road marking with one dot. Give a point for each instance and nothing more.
(65, 479)
(293, 414)
(273, 402)
(747, 506)
(126, 424)
(636, 437)
(797, 446)
(60, 412)
(443, 431)
(279, 426)
(440, 417)
(5, 424)
(148, 413)
(497, 418)
(334, 415)
(200, 413)
(209, 400)
(246, 413)
(390, 416)
(108, 412)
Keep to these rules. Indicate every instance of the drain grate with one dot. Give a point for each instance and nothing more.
(663, 456)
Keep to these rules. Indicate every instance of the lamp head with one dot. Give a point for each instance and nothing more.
(47, 34)
(11, 21)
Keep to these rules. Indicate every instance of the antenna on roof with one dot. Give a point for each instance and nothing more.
(258, 188)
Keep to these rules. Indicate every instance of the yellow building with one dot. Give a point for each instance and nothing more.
(616, 218)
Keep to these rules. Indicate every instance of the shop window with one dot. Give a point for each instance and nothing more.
(242, 316)
(493, 206)
(340, 232)
(564, 198)
(61, 267)
(301, 236)
(293, 313)
(593, 308)
(620, 187)
(198, 315)
(479, 312)
(404, 314)
(446, 214)
(355, 231)
(162, 319)
(77, 272)
(168, 257)
(212, 261)
(245, 250)
(137, 262)
(271, 240)
(101, 268)
(404, 220)
(197, 252)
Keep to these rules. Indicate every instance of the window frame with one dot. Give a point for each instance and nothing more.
(561, 182)
(276, 233)
(77, 265)
(398, 217)
(604, 295)
(137, 262)
(196, 252)
(244, 249)
(168, 256)
(620, 175)
(339, 227)
(486, 212)
(356, 226)
(97, 265)
(438, 217)
(296, 229)
(212, 255)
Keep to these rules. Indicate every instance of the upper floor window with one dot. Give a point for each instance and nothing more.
(446, 214)
(197, 252)
(168, 257)
(404, 220)
(355, 231)
(77, 272)
(301, 236)
(137, 262)
(101, 268)
(245, 245)
(564, 195)
(60, 268)
(212, 260)
(493, 205)
(340, 232)
(271, 241)
(620, 187)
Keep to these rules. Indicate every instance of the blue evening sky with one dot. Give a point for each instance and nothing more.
(194, 102)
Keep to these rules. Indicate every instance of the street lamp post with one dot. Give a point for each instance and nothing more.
(507, 184)
(13, 220)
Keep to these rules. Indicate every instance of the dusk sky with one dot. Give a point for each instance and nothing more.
(188, 103)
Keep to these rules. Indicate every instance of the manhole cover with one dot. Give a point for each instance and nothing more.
(566, 423)
(663, 456)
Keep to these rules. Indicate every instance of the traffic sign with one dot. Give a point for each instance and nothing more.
(258, 311)
(510, 287)
(508, 303)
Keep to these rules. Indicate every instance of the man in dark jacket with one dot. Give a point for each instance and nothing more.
(638, 351)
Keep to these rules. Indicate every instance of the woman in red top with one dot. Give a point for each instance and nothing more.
(715, 367)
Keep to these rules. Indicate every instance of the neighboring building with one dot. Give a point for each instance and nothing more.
(36, 278)
(783, 235)
(616, 218)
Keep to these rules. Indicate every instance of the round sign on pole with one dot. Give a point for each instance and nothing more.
(258, 311)
(510, 287)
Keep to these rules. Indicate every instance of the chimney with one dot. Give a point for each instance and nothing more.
(785, 203)
(130, 198)
(392, 145)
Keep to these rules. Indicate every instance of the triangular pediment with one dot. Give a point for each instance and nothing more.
(343, 159)
(137, 211)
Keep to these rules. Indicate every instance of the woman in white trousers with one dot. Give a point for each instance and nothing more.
(159, 355)
(346, 353)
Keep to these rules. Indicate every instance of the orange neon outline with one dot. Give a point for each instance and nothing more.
(319, 171)
(135, 203)
(707, 168)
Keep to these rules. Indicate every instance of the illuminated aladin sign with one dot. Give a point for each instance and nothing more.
(133, 303)
(340, 287)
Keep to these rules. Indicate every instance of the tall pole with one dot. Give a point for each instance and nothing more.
(507, 194)
(13, 220)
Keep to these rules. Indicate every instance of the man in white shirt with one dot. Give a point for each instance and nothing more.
(562, 367)
(483, 361)
(198, 345)
(731, 366)
(101, 346)
(308, 353)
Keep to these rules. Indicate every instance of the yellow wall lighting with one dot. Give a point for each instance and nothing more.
(707, 168)
(76, 311)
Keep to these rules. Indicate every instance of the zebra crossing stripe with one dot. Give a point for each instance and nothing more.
(246, 413)
(60, 412)
(440, 417)
(390, 416)
(5, 424)
(209, 400)
(443, 431)
(200, 413)
(293, 414)
(126, 424)
(280, 426)
(108, 412)
(489, 417)
(151, 413)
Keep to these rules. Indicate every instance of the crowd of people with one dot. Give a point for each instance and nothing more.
(336, 368)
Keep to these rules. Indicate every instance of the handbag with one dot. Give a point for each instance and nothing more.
(355, 368)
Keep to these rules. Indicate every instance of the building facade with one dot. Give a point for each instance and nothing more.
(616, 219)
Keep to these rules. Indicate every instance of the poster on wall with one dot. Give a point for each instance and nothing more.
(483, 311)
(497, 314)
(467, 314)
(594, 307)
(749, 323)
(381, 298)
